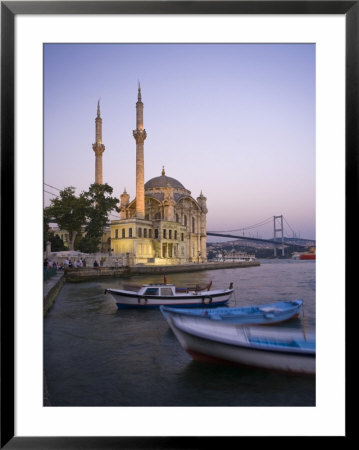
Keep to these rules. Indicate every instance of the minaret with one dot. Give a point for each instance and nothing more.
(98, 147)
(202, 246)
(125, 200)
(140, 135)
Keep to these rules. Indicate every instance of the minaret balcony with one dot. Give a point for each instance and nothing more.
(98, 148)
(139, 135)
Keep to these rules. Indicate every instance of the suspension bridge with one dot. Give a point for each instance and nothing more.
(278, 240)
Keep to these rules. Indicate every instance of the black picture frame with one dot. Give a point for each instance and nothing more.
(9, 9)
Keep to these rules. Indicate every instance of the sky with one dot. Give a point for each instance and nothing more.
(235, 121)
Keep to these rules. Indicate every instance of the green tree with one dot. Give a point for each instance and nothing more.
(69, 212)
(46, 229)
(57, 244)
(99, 197)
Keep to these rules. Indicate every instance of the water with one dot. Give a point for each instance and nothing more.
(96, 355)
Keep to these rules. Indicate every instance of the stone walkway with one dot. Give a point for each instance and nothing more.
(52, 282)
(51, 289)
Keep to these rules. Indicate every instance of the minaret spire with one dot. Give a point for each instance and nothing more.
(98, 147)
(140, 135)
(139, 92)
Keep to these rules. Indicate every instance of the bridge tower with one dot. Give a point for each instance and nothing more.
(278, 230)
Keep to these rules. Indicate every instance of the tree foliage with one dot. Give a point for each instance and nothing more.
(46, 228)
(89, 210)
(101, 203)
(69, 212)
(57, 244)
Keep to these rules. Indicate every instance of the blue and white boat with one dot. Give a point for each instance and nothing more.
(271, 348)
(267, 314)
(154, 295)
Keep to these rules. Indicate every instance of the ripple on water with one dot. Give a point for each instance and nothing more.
(96, 355)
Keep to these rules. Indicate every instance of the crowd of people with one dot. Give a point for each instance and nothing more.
(69, 264)
(77, 263)
(51, 265)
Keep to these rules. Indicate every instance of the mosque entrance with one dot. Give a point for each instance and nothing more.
(167, 250)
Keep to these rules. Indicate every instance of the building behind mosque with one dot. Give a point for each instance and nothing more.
(163, 224)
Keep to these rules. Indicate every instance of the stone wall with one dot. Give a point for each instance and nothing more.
(85, 274)
(51, 288)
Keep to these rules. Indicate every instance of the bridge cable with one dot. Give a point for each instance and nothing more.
(263, 222)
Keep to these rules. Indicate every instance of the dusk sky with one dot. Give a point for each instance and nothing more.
(235, 121)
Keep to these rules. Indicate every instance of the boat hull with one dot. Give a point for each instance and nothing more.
(267, 314)
(305, 257)
(202, 299)
(232, 346)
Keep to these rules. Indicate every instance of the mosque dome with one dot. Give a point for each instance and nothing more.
(162, 182)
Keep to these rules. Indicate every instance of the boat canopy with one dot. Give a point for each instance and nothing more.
(163, 291)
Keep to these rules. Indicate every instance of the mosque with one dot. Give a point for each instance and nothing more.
(163, 224)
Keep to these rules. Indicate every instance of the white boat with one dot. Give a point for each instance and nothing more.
(280, 349)
(155, 295)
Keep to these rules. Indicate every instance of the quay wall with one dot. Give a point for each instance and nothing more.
(90, 273)
(51, 288)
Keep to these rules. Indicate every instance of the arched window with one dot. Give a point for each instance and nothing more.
(156, 233)
(145, 232)
(193, 225)
(139, 232)
(130, 232)
(116, 233)
(177, 218)
(123, 232)
(185, 221)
